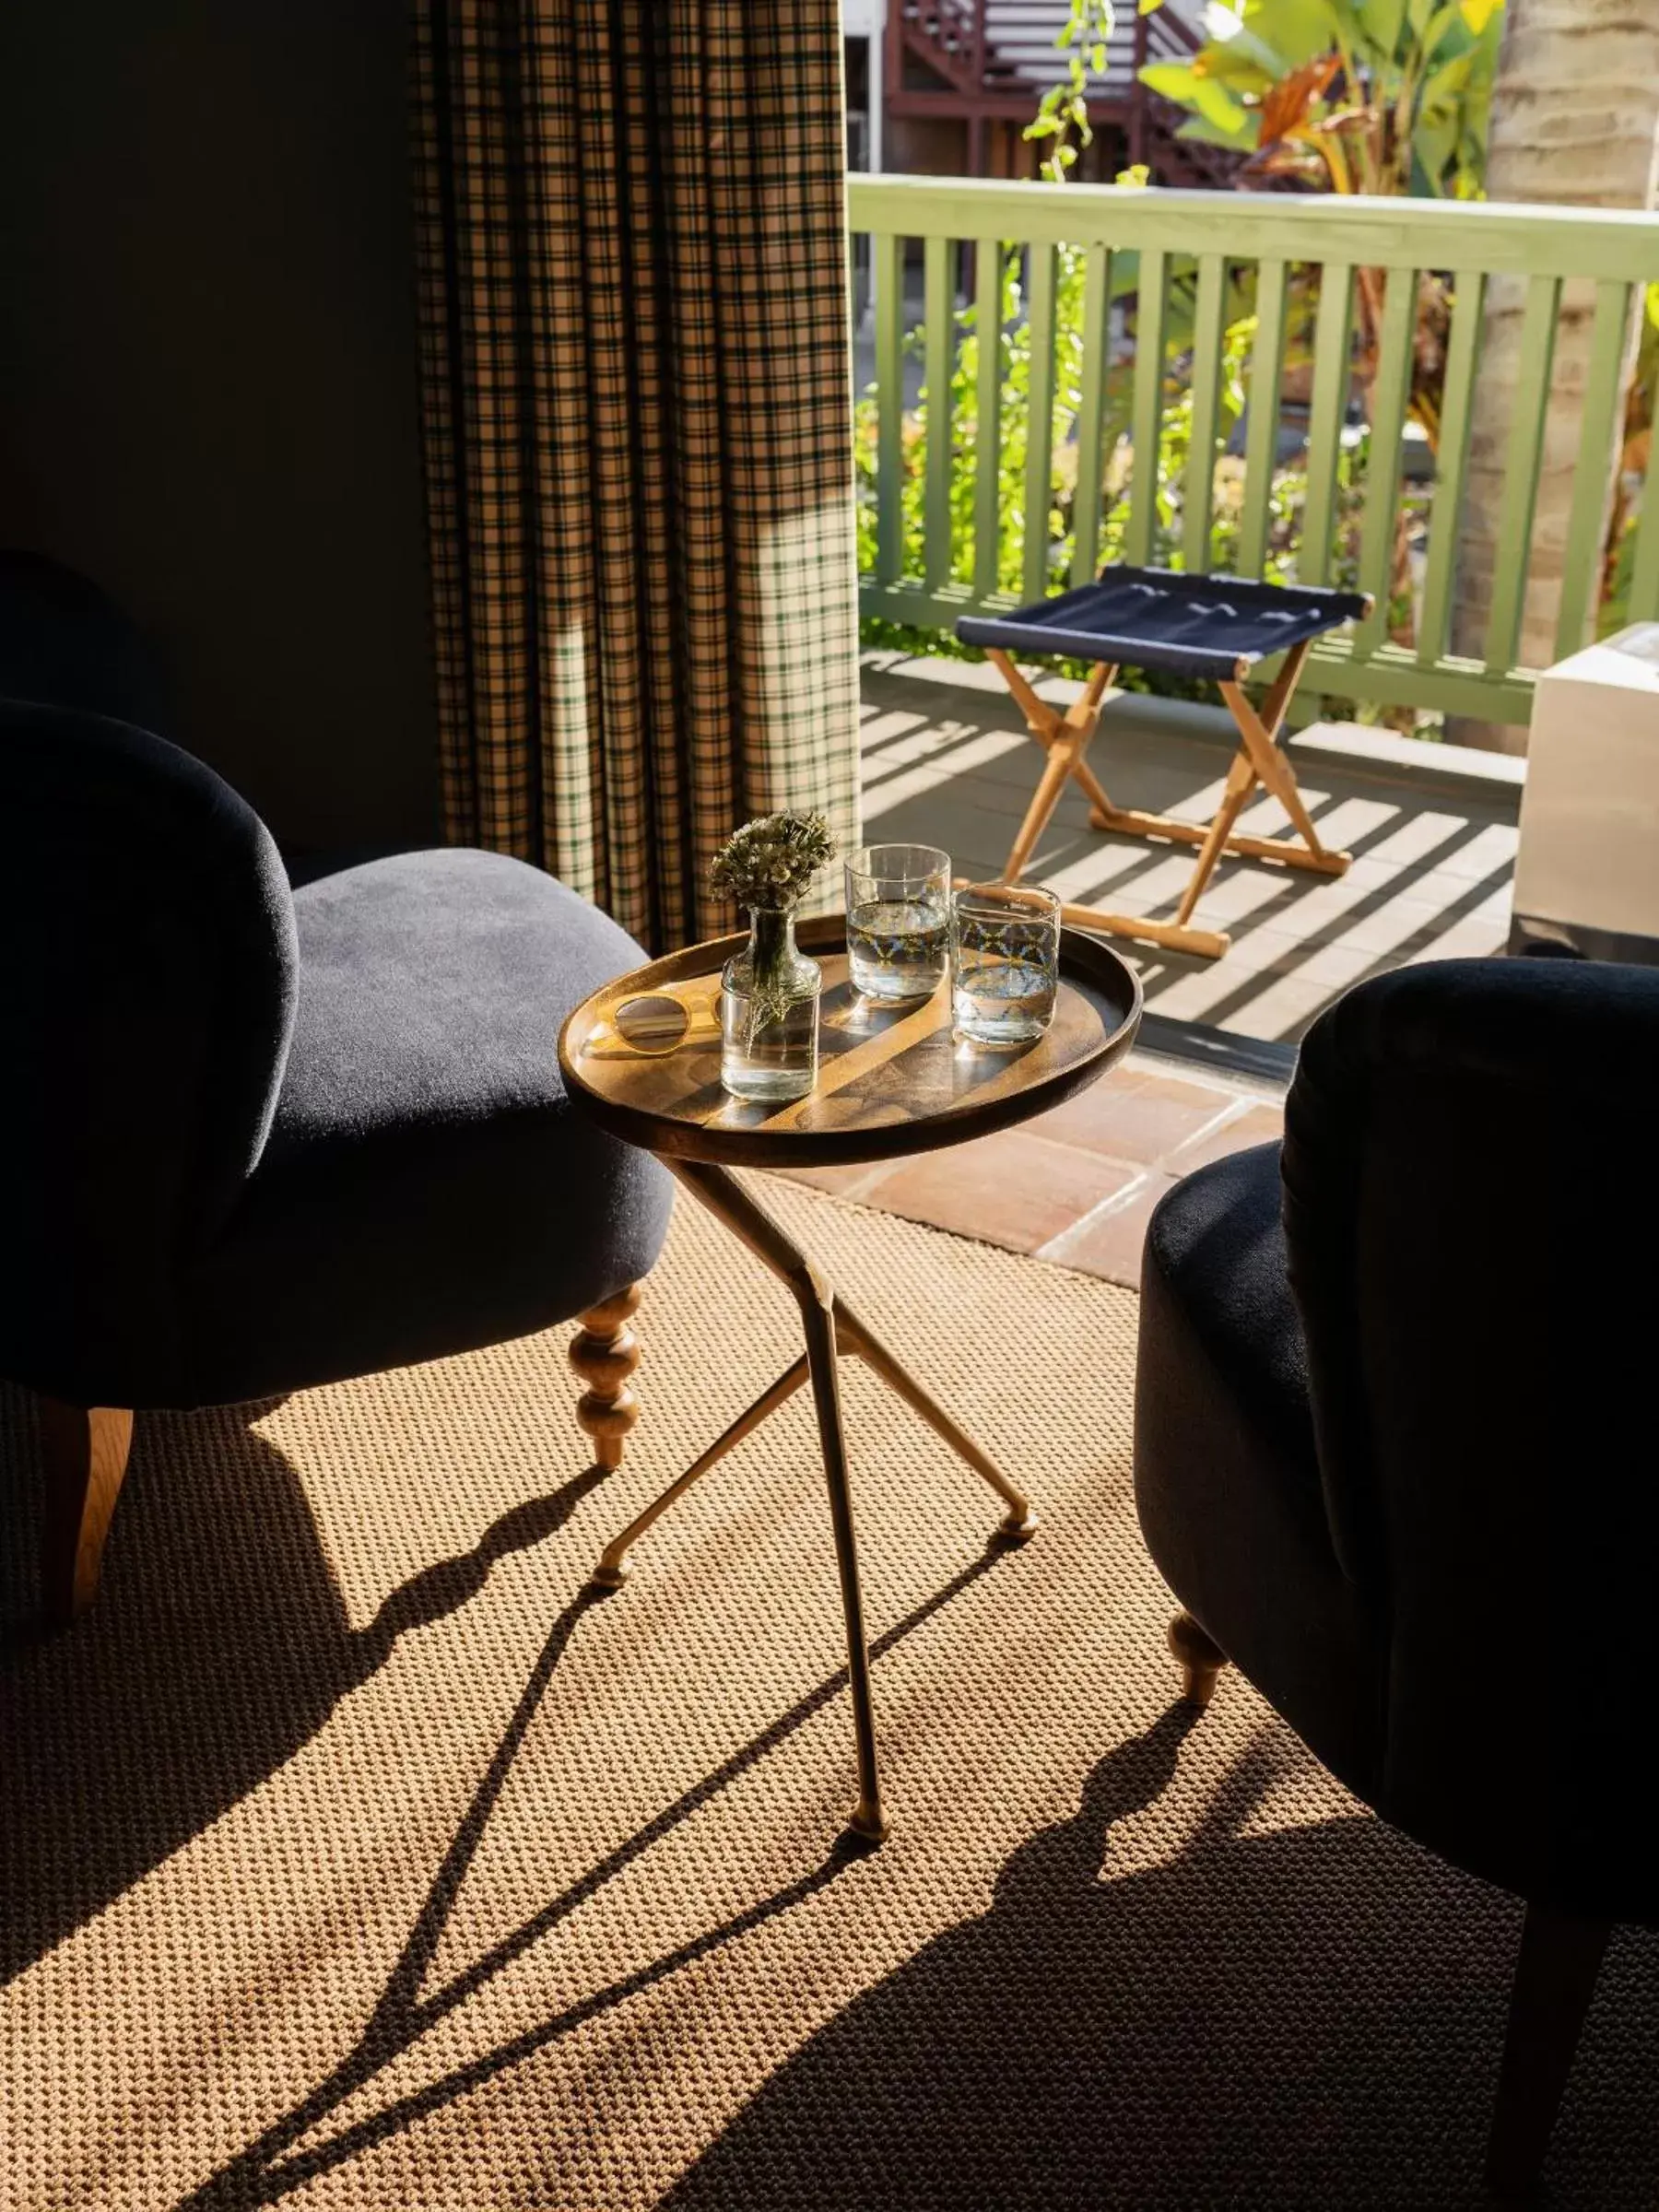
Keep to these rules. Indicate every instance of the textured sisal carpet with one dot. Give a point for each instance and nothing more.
(352, 1857)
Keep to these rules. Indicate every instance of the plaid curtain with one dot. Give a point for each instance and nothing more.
(636, 409)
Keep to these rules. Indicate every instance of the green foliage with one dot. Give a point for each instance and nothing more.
(1374, 96)
(1013, 341)
(1062, 118)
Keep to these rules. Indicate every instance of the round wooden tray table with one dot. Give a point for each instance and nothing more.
(642, 1056)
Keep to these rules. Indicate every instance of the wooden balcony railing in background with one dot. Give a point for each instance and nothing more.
(1148, 257)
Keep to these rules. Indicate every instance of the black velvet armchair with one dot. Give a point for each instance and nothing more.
(257, 1136)
(1394, 1449)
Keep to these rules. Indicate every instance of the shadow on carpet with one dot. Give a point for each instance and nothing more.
(128, 1737)
(272, 2168)
(1144, 2042)
(354, 1857)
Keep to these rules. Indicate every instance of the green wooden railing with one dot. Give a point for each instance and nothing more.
(1162, 274)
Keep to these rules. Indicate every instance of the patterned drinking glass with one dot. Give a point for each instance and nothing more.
(898, 919)
(1005, 963)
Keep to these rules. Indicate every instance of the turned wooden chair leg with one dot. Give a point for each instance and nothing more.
(84, 1459)
(1200, 1658)
(1555, 1979)
(604, 1355)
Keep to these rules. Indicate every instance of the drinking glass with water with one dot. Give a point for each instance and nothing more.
(898, 919)
(1005, 963)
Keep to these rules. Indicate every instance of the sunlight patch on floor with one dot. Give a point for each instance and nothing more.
(948, 761)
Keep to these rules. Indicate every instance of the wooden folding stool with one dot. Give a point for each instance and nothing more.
(1213, 626)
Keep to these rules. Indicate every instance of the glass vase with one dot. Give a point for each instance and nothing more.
(769, 1013)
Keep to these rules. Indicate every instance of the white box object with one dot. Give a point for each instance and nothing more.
(1588, 871)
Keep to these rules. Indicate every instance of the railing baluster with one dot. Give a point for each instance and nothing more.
(886, 269)
(1148, 404)
(938, 323)
(1520, 472)
(1580, 576)
(1539, 248)
(1445, 512)
(987, 432)
(1332, 375)
(1040, 421)
(1379, 531)
(1199, 494)
(1261, 436)
(1097, 337)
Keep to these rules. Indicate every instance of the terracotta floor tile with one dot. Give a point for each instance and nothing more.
(1109, 1242)
(851, 1182)
(1256, 1125)
(1013, 1189)
(1136, 1115)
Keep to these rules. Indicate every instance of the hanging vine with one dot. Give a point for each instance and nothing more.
(1063, 117)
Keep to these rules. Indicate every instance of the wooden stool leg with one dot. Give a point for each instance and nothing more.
(1064, 755)
(84, 1458)
(604, 1355)
(1042, 721)
(1102, 677)
(1093, 790)
(1066, 740)
(1259, 759)
(1555, 1979)
(1271, 765)
(1260, 734)
(1240, 783)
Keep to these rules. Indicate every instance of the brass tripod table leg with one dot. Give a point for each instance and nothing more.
(829, 1329)
(614, 1567)
(817, 1317)
(1020, 1519)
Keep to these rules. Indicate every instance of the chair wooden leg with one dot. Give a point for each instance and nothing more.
(1200, 1658)
(604, 1355)
(84, 1459)
(1555, 1979)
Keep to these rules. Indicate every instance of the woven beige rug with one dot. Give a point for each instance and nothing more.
(351, 1858)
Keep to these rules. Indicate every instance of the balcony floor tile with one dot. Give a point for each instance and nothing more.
(949, 762)
(1015, 1188)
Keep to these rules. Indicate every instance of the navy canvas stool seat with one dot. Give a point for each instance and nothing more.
(1218, 627)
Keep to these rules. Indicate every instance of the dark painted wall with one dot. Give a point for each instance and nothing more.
(207, 396)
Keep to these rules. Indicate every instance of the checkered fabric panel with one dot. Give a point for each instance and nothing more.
(635, 401)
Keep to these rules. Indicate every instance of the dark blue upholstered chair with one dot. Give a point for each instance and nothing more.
(1394, 1445)
(255, 1136)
